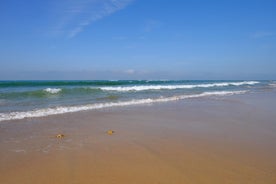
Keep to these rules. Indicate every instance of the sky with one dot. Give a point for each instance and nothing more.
(137, 39)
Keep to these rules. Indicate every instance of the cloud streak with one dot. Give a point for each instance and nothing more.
(77, 15)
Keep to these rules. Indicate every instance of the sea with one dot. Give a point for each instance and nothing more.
(27, 99)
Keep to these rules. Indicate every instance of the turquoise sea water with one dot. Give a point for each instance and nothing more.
(23, 99)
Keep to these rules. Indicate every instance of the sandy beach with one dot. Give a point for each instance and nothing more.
(228, 139)
(137, 92)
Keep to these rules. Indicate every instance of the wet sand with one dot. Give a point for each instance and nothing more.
(206, 140)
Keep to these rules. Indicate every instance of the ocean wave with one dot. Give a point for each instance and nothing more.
(272, 84)
(178, 86)
(45, 93)
(69, 109)
(52, 90)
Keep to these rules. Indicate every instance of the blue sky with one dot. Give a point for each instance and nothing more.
(137, 39)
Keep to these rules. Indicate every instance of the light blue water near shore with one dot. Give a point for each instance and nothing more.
(23, 99)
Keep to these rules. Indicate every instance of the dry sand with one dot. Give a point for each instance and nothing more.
(206, 140)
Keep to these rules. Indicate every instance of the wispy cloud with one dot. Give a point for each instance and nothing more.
(263, 34)
(77, 15)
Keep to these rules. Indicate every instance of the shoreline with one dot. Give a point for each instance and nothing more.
(229, 139)
(71, 109)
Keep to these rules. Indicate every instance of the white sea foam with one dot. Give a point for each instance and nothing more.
(272, 84)
(52, 90)
(170, 87)
(68, 109)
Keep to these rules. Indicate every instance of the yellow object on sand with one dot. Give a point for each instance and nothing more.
(59, 136)
(110, 132)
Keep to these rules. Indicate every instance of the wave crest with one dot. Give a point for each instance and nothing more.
(68, 109)
(170, 87)
(52, 90)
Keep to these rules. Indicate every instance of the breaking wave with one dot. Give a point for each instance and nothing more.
(170, 87)
(69, 109)
(52, 90)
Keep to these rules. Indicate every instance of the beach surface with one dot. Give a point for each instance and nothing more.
(228, 139)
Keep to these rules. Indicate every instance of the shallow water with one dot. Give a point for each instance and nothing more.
(22, 99)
